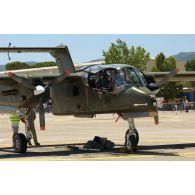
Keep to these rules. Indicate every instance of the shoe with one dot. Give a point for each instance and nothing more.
(29, 143)
(37, 144)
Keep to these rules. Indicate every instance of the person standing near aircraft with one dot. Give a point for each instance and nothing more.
(29, 118)
(176, 107)
(185, 104)
(15, 120)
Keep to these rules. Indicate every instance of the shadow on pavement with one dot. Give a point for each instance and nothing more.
(58, 150)
(168, 146)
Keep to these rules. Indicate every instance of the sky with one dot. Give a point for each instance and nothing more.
(86, 47)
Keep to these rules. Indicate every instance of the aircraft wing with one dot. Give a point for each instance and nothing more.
(26, 88)
(43, 72)
(181, 76)
(12, 93)
(61, 54)
(17, 87)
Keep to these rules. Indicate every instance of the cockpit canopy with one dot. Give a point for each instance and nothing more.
(114, 77)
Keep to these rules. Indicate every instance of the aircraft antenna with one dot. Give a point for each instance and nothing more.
(8, 52)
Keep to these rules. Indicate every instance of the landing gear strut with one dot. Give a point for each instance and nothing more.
(131, 136)
(19, 143)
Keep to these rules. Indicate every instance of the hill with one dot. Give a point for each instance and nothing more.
(184, 56)
(2, 67)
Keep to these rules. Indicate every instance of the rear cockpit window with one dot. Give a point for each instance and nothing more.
(111, 80)
(102, 80)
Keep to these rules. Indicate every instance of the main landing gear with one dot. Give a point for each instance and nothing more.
(131, 136)
(19, 143)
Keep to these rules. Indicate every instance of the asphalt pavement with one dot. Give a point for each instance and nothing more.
(64, 137)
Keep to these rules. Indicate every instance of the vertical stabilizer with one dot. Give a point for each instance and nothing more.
(63, 60)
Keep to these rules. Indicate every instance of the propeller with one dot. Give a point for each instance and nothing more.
(156, 87)
(39, 91)
(58, 79)
(21, 80)
(168, 76)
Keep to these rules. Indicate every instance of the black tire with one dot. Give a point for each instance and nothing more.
(133, 139)
(19, 143)
(137, 137)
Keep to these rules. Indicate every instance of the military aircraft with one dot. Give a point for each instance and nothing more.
(89, 90)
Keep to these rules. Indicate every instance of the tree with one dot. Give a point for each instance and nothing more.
(159, 61)
(172, 89)
(154, 69)
(119, 53)
(190, 65)
(163, 64)
(22, 65)
(139, 57)
(44, 64)
(17, 66)
(169, 64)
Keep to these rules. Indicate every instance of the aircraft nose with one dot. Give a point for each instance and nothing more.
(144, 98)
(152, 102)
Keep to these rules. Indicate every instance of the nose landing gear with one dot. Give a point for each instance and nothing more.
(131, 136)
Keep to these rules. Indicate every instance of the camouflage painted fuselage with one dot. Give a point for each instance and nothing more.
(75, 96)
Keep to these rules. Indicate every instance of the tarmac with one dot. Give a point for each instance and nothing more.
(172, 140)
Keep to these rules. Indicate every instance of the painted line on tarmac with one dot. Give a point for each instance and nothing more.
(110, 158)
(167, 141)
(100, 158)
(78, 158)
(186, 153)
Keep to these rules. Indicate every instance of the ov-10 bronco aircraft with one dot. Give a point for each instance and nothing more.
(95, 89)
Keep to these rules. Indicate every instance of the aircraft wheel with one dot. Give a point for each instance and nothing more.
(19, 143)
(137, 136)
(131, 140)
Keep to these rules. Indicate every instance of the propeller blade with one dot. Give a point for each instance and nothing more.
(38, 90)
(41, 116)
(168, 76)
(44, 93)
(58, 79)
(23, 81)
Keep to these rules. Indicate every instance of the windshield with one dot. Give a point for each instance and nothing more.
(143, 79)
(134, 77)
